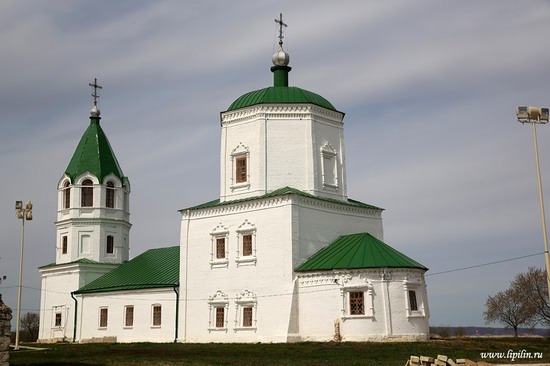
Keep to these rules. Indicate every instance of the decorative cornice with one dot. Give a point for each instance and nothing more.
(282, 200)
(272, 111)
(344, 277)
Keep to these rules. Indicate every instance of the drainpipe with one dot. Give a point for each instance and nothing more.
(75, 316)
(186, 274)
(177, 312)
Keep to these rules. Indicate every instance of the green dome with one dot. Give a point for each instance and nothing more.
(280, 95)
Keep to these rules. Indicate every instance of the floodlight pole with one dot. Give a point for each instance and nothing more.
(541, 203)
(534, 116)
(22, 212)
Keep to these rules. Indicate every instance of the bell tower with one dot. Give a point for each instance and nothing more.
(92, 227)
(93, 200)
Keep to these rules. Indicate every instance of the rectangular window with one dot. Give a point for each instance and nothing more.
(64, 244)
(129, 316)
(412, 300)
(220, 248)
(67, 196)
(157, 315)
(110, 195)
(247, 245)
(87, 192)
(247, 316)
(357, 303)
(58, 320)
(110, 244)
(220, 314)
(103, 314)
(241, 171)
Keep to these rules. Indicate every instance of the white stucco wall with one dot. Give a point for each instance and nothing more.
(89, 306)
(57, 284)
(268, 278)
(324, 301)
(283, 146)
(286, 230)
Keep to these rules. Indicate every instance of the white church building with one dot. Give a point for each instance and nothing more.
(283, 255)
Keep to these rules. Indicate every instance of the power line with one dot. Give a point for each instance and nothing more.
(484, 264)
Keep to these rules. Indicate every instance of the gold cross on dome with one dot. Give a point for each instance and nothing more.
(95, 93)
(281, 25)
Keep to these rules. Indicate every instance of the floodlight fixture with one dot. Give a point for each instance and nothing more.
(532, 114)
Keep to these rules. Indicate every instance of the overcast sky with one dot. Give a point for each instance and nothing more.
(429, 89)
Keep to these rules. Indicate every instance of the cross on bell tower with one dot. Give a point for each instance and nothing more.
(95, 93)
(281, 25)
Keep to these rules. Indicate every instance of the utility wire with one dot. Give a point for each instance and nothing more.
(484, 264)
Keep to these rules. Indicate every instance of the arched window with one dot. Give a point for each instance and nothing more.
(66, 195)
(110, 197)
(87, 193)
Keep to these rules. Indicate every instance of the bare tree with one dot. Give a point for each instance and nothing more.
(30, 323)
(534, 288)
(509, 307)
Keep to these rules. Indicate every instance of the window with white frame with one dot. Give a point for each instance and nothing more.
(103, 317)
(329, 167)
(240, 166)
(156, 315)
(358, 302)
(246, 308)
(414, 299)
(219, 252)
(218, 305)
(246, 239)
(129, 316)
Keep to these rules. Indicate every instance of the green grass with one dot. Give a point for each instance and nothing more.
(379, 354)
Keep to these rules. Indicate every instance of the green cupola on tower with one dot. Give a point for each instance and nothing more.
(94, 153)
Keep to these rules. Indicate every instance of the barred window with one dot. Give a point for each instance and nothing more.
(58, 319)
(220, 248)
(247, 245)
(129, 316)
(247, 316)
(220, 317)
(357, 303)
(103, 316)
(87, 193)
(241, 169)
(157, 315)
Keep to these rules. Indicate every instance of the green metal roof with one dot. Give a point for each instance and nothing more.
(94, 154)
(155, 268)
(354, 251)
(280, 95)
(281, 192)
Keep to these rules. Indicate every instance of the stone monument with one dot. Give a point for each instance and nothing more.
(5, 332)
